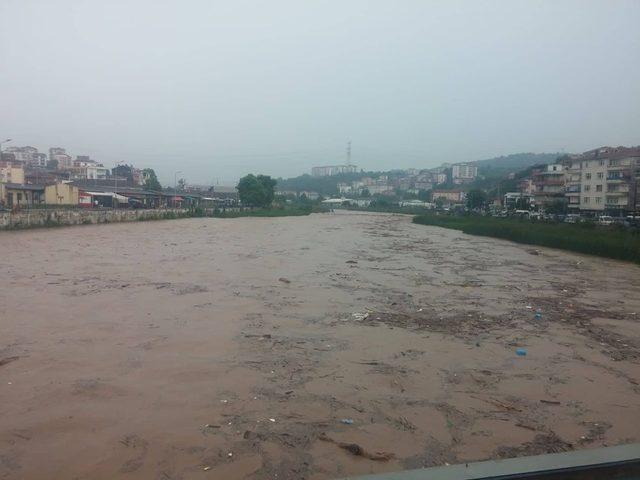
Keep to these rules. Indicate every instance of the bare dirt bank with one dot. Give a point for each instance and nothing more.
(207, 348)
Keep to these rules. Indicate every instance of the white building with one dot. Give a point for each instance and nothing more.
(330, 170)
(463, 173)
(97, 172)
(28, 155)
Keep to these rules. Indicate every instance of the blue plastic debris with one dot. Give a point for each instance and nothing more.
(521, 352)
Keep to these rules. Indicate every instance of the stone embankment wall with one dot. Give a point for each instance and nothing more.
(51, 218)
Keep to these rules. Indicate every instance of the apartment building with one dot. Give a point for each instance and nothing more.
(449, 196)
(85, 168)
(549, 184)
(463, 173)
(329, 170)
(604, 180)
(28, 155)
(60, 155)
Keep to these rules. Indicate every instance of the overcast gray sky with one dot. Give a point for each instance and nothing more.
(218, 89)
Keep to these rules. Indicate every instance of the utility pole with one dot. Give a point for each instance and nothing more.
(175, 187)
(114, 201)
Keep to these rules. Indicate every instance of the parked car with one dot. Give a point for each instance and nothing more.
(605, 220)
(572, 218)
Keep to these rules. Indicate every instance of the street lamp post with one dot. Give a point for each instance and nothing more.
(114, 201)
(175, 187)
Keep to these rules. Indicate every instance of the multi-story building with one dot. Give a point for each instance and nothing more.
(463, 173)
(573, 188)
(330, 170)
(86, 168)
(344, 188)
(28, 155)
(11, 172)
(137, 176)
(60, 155)
(517, 200)
(380, 189)
(423, 185)
(450, 196)
(439, 178)
(549, 184)
(604, 180)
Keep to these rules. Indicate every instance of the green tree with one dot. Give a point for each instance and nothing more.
(424, 195)
(476, 198)
(523, 203)
(381, 202)
(558, 206)
(151, 180)
(256, 191)
(123, 171)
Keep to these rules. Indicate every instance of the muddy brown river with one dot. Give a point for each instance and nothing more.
(304, 347)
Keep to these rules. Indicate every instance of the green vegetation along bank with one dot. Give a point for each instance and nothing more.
(268, 212)
(609, 242)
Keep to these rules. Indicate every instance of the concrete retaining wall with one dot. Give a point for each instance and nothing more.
(48, 218)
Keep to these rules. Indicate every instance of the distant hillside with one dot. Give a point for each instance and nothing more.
(489, 170)
(326, 186)
(515, 162)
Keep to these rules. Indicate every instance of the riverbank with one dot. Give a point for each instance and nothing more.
(48, 218)
(269, 212)
(610, 242)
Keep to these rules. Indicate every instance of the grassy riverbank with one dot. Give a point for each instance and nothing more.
(610, 242)
(269, 212)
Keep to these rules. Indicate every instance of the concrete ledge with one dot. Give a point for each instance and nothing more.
(52, 217)
(622, 462)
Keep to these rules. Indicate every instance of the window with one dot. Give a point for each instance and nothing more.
(587, 176)
(600, 174)
(587, 188)
(598, 188)
(19, 196)
(612, 199)
(598, 199)
(586, 199)
(613, 163)
(601, 163)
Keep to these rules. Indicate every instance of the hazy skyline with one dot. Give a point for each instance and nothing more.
(220, 89)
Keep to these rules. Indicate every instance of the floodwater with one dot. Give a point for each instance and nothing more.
(211, 348)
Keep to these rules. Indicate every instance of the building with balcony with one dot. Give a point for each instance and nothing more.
(548, 185)
(60, 156)
(463, 173)
(604, 181)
